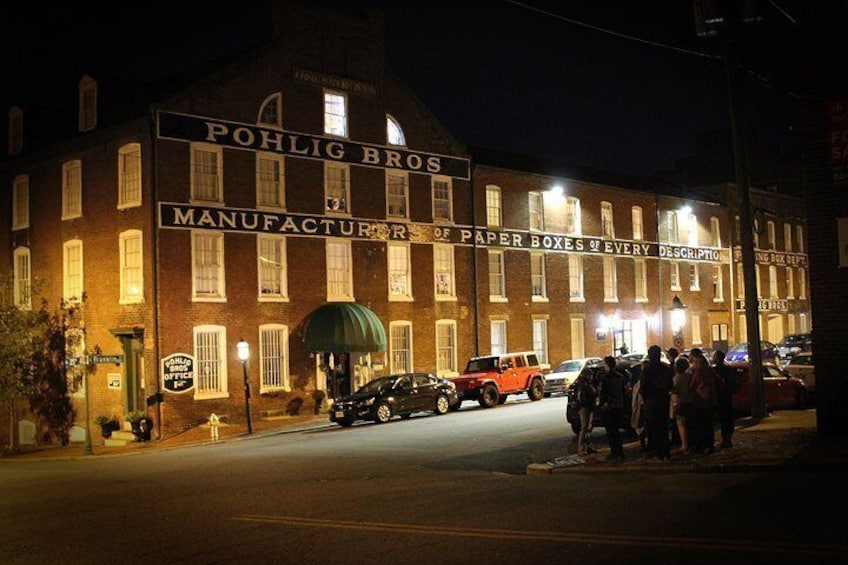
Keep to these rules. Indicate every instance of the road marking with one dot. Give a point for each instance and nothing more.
(563, 537)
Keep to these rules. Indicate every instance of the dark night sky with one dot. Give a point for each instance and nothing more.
(553, 79)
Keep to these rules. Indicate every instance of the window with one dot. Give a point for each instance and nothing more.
(335, 113)
(400, 345)
(790, 323)
(756, 240)
(740, 281)
(394, 133)
(540, 339)
(575, 277)
(442, 199)
(400, 271)
(640, 270)
(337, 186)
(607, 226)
(787, 237)
(715, 232)
(772, 236)
(16, 130)
(273, 357)
(737, 228)
(129, 175)
(271, 111)
(759, 286)
(270, 181)
(672, 232)
(802, 283)
(72, 269)
(207, 259)
(638, 226)
(132, 274)
(493, 206)
(272, 265)
(538, 285)
(22, 290)
(803, 322)
(799, 232)
(397, 194)
(674, 267)
(497, 282)
(206, 173)
(536, 208)
(773, 282)
(578, 340)
(498, 338)
(610, 280)
(692, 230)
(446, 348)
(573, 219)
(72, 189)
(443, 269)
(790, 283)
(20, 203)
(718, 284)
(742, 328)
(696, 329)
(339, 273)
(694, 277)
(87, 104)
(210, 352)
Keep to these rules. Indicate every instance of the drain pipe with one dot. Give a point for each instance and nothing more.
(474, 266)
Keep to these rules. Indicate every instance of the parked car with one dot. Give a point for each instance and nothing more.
(739, 353)
(561, 377)
(572, 410)
(792, 344)
(396, 395)
(489, 379)
(782, 390)
(707, 351)
(801, 366)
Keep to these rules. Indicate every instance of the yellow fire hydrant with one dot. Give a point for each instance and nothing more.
(214, 420)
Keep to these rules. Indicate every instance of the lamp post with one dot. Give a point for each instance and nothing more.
(678, 320)
(244, 354)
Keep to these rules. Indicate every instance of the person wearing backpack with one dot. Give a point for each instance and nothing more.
(611, 402)
(704, 384)
(586, 395)
(729, 385)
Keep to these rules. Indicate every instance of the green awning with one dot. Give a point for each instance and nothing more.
(344, 326)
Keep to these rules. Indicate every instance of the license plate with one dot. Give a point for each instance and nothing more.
(339, 414)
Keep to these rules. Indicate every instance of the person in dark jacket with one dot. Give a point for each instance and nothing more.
(656, 397)
(728, 384)
(611, 402)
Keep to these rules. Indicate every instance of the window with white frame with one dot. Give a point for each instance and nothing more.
(442, 199)
(444, 271)
(210, 351)
(446, 348)
(573, 216)
(493, 206)
(759, 286)
(339, 270)
(607, 225)
(273, 357)
(540, 339)
(87, 104)
(692, 230)
(740, 281)
(271, 111)
(132, 272)
(498, 337)
(694, 277)
(773, 282)
(799, 232)
(272, 267)
(400, 344)
(207, 260)
(335, 113)
(638, 223)
(640, 271)
(803, 322)
(715, 232)
(72, 189)
(400, 270)
(16, 130)
(672, 231)
(742, 328)
(575, 277)
(718, 284)
(207, 173)
(129, 175)
(610, 280)
(538, 283)
(772, 235)
(270, 181)
(790, 283)
(20, 203)
(497, 275)
(790, 323)
(536, 209)
(756, 240)
(394, 133)
(397, 194)
(337, 187)
(696, 329)
(674, 275)
(802, 283)
(737, 229)
(72, 264)
(22, 289)
(787, 237)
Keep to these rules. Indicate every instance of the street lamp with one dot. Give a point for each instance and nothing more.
(244, 354)
(678, 320)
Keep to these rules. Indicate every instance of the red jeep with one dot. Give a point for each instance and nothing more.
(489, 379)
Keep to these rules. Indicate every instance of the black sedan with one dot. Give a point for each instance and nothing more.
(395, 395)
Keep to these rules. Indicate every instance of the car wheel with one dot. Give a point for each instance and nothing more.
(345, 423)
(575, 427)
(489, 396)
(383, 413)
(537, 390)
(442, 405)
(802, 400)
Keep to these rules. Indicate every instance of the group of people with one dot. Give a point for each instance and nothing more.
(673, 405)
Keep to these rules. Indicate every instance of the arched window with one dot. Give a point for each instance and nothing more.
(271, 111)
(394, 133)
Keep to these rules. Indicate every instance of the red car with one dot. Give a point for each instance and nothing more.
(782, 390)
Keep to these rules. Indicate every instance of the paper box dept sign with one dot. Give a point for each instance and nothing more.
(178, 372)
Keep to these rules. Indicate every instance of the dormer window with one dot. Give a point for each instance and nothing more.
(271, 111)
(87, 104)
(16, 130)
(394, 133)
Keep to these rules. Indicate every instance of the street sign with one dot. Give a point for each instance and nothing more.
(93, 360)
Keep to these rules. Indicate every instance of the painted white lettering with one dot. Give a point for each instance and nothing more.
(607, 247)
(398, 232)
(309, 225)
(465, 235)
(213, 131)
(434, 164)
(413, 161)
(534, 241)
(516, 240)
(293, 146)
(227, 220)
(184, 218)
(243, 136)
(206, 219)
(271, 141)
(268, 221)
(393, 159)
(503, 239)
(370, 156)
(346, 228)
(327, 225)
(579, 245)
(335, 150)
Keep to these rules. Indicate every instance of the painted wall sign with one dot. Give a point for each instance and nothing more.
(766, 304)
(779, 258)
(331, 81)
(181, 127)
(178, 372)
